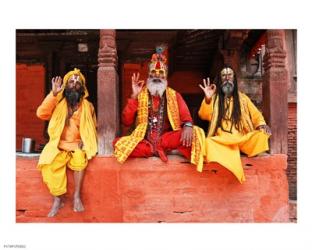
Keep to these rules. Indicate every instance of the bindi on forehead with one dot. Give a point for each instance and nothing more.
(75, 79)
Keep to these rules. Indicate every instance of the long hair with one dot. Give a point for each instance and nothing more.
(236, 111)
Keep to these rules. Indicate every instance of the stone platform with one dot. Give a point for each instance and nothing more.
(148, 190)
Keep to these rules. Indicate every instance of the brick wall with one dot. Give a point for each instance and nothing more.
(292, 150)
(30, 87)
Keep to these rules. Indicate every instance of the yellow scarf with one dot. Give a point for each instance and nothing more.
(56, 126)
(126, 144)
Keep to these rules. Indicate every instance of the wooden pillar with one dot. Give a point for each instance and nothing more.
(107, 92)
(275, 85)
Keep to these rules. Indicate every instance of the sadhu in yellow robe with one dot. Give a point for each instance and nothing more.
(224, 147)
(63, 147)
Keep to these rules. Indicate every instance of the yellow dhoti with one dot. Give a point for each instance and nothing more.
(225, 149)
(54, 174)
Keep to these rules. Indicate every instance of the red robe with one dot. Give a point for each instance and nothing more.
(169, 139)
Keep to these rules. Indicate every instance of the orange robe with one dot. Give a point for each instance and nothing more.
(70, 137)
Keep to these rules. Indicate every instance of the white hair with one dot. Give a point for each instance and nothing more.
(156, 88)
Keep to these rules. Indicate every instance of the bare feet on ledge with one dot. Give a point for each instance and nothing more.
(57, 204)
(78, 206)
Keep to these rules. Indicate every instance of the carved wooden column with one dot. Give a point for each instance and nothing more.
(107, 92)
(275, 84)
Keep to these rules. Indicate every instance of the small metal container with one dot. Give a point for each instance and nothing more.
(28, 145)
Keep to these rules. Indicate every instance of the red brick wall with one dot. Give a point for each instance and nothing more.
(30, 88)
(292, 150)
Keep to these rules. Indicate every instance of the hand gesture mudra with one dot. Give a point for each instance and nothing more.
(56, 85)
(209, 89)
(137, 85)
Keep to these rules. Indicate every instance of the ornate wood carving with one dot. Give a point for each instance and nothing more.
(275, 85)
(108, 118)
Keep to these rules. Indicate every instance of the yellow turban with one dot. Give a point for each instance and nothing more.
(75, 72)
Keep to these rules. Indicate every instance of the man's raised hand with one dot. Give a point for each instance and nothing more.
(56, 85)
(137, 85)
(209, 89)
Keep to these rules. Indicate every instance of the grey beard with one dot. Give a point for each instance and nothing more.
(156, 88)
(227, 88)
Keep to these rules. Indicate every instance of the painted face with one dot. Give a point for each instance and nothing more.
(157, 73)
(227, 78)
(74, 90)
(74, 82)
(227, 74)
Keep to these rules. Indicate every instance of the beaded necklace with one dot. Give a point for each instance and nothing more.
(155, 121)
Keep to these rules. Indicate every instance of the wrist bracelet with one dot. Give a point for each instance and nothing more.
(188, 124)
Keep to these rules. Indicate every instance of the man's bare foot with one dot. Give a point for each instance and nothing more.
(78, 206)
(57, 204)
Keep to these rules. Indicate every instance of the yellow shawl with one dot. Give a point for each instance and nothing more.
(126, 144)
(57, 122)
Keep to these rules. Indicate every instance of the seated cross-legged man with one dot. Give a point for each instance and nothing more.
(161, 118)
(236, 125)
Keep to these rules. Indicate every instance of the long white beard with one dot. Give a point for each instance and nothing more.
(156, 89)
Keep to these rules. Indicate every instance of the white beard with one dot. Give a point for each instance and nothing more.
(156, 89)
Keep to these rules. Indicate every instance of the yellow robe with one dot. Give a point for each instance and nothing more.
(62, 149)
(56, 112)
(223, 147)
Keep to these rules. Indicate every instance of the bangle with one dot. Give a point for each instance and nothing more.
(188, 124)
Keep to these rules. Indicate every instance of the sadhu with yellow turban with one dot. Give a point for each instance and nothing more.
(72, 136)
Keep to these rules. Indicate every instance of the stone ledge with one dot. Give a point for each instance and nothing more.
(148, 190)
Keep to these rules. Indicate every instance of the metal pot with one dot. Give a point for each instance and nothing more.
(28, 145)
